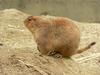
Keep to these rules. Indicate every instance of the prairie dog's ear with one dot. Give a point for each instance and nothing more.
(34, 19)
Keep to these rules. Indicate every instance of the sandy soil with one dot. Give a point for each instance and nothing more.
(17, 46)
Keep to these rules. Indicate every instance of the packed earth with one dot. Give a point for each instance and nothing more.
(19, 54)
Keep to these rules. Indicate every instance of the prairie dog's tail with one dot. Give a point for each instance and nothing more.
(86, 48)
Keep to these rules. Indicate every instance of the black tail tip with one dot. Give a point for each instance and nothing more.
(93, 43)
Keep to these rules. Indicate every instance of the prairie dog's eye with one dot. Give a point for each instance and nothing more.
(30, 18)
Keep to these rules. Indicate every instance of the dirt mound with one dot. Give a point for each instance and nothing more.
(19, 55)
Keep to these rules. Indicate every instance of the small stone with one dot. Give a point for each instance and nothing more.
(1, 44)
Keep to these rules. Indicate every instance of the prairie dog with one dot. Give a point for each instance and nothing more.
(55, 34)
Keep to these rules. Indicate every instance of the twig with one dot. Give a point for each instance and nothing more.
(90, 57)
(37, 68)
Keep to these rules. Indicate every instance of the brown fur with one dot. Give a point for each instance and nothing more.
(57, 34)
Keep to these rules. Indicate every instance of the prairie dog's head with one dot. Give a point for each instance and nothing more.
(35, 22)
(31, 22)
